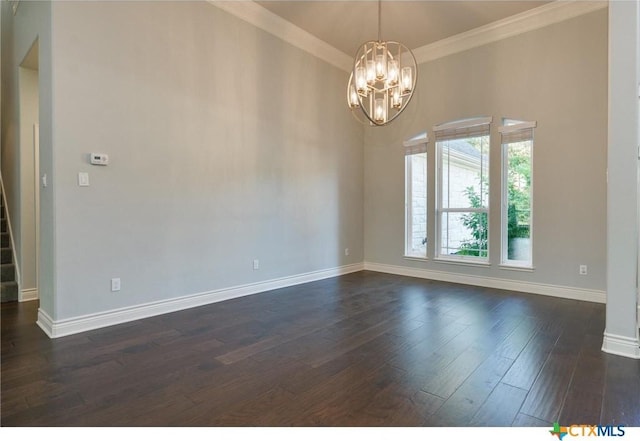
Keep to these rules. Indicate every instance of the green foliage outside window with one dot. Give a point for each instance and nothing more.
(477, 223)
(518, 214)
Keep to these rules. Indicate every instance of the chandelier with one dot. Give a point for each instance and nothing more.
(383, 79)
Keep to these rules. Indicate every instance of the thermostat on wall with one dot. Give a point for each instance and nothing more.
(99, 158)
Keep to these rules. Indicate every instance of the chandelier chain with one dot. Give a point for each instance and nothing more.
(379, 20)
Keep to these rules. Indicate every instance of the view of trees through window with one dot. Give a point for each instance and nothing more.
(518, 177)
(476, 223)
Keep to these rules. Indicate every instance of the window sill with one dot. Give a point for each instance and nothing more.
(512, 267)
(416, 258)
(463, 262)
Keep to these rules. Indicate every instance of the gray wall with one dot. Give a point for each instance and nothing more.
(226, 145)
(557, 76)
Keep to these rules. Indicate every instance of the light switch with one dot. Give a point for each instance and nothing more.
(83, 179)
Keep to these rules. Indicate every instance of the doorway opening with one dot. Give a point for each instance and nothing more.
(29, 212)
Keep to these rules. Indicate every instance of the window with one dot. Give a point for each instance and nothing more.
(517, 203)
(416, 196)
(462, 206)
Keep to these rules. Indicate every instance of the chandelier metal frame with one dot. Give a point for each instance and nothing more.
(383, 79)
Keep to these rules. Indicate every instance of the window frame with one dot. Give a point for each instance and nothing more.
(511, 126)
(413, 146)
(461, 125)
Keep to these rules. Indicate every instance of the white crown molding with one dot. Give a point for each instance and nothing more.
(26, 295)
(266, 20)
(565, 292)
(536, 18)
(621, 345)
(60, 328)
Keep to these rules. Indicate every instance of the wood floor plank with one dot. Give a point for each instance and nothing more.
(584, 397)
(582, 405)
(530, 361)
(432, 348)
(548, 392)
(350, 343)
(621, 395)
(349, 395)
(309, 377)
(446, 381)
(365, 348)
(523, 420)
(46, 414)
(243, 352)
(254, 411)
(500, 408)
(512, 346)
(392, 407)
(467, 399)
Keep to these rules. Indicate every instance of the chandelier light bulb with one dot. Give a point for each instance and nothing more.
(361, 80)
(354, 102)
(381, 65)
(371, 72)
(392, 72)
(407, 80)
(396, 98)
(380, 110)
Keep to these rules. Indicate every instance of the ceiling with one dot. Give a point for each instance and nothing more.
(345, 25)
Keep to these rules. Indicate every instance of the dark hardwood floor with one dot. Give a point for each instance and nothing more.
(365, 349)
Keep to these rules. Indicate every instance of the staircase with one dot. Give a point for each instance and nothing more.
(8, 284)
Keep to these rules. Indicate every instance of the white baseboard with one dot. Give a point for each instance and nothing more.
(60, 328)
(45, 322)
(621, 345)
(26, 295)
(492, 282)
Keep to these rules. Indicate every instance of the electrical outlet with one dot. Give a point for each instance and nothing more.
(256, 264)
(583, 270)
(346, 251)
(115, 284)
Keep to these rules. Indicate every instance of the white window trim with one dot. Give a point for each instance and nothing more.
(463, 123)
(468, 260)
(419, 140)
(517, 127)
(418, 259)
(505, 263)
(512, 267)
(464, 261)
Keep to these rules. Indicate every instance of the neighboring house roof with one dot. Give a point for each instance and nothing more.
(463, 152)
